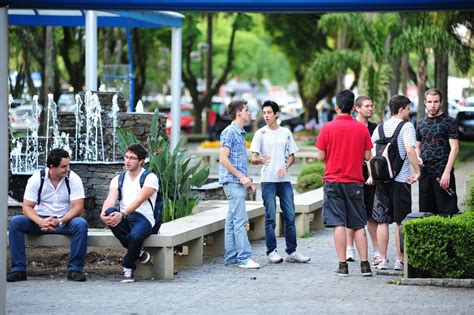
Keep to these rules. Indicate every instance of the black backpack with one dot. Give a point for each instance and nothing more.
(42, 176)
(158, 202)
(387, 163)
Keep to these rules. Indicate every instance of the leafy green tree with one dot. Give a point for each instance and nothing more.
(299, 38)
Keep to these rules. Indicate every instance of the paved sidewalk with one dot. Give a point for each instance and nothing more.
(276, 288)
(213, 288)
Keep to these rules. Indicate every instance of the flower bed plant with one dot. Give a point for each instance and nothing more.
(310, 177)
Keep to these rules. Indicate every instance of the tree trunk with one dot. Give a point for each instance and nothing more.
(341, 44)
(209, 54)
(421, 85)
(441, 77)
(396, 75)
(404, 74)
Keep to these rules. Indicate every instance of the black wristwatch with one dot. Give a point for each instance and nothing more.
(124, 216)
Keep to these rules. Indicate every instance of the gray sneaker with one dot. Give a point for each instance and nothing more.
(381, 264)
(399, 265)
(274, 257)
(296, 257)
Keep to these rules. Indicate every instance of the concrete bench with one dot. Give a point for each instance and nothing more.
(308, 211)
(198, 235)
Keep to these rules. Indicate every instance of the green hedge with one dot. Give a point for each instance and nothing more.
(310, 177)
(469, 200)
(441, 247)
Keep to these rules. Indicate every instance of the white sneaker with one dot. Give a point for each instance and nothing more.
(296, 257)
(249, 264)
(399, 265)
(375, 255)
(274, 257)
(350, 253)
(128, 275)
(381, 264)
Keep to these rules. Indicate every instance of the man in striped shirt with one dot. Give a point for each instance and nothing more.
(393, 199)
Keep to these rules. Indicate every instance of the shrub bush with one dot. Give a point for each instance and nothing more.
(441, 247)
(469, 200)
(310, 177)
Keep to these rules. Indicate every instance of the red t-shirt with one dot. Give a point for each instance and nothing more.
(344, 140)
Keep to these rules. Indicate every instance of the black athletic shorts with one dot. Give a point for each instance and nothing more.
(432, 198)
(344, 205)
(392, 202)
(369, 195)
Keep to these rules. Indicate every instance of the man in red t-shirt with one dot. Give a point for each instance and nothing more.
(344, 144)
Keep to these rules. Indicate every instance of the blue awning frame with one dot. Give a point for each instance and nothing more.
(77, 18)
(250, 5)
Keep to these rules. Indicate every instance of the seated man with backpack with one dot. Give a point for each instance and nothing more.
(53, 204)
(138, 214)
(394, 144)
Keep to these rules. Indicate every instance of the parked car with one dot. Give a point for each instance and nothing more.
(186, 120)
(20, 116)
(67, 103)
(465, 117)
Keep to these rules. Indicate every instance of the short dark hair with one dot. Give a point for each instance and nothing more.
(138, 149)
(55, 156)
(234, 107)
(434, 92)
(397, 102)
(345, 101)
(271, 104)
(360, 99)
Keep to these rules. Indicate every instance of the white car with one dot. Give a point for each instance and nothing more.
(22, 118)
(465, 117)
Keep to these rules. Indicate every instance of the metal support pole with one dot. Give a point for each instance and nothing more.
(131, 76)
(91, 50)
(4, 151)
(176, 42)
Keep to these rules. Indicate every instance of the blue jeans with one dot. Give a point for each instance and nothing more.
(284, 191)
(21, 225)
(237, 245)
(131, 232)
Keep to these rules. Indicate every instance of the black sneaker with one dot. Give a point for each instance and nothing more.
(144, 256)
(343, 270)
(128, 276)
(365, 268)
(15, 276)
(76, 276)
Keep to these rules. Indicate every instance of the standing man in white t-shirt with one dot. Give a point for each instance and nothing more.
(393, 199)
(135, 219)
(53, 204)
(274, 147)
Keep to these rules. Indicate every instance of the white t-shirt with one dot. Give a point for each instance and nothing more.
(278, 145)
(54, 201)
(130, 190)
(407, 137)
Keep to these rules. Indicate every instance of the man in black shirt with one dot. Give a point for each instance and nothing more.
(437, 146)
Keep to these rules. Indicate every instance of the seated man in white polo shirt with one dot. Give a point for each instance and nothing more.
(53, 204)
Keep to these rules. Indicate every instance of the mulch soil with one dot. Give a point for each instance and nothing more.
(52, 261)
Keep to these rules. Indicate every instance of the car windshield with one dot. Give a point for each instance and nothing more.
(470, 103)
(21, 112)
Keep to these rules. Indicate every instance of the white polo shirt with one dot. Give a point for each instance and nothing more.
(130, 190)
(54, 201)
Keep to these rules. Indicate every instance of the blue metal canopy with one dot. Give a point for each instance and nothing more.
(249, 5)
(150, 19)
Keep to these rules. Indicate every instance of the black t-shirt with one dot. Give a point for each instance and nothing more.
(434, 134)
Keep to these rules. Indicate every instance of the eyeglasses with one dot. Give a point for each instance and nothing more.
(131, 158)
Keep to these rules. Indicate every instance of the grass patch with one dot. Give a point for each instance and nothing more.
(307, 234)
(466, 151)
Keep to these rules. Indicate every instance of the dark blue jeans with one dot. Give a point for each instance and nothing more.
(284, 191)
(131, 232)
(21, 225)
